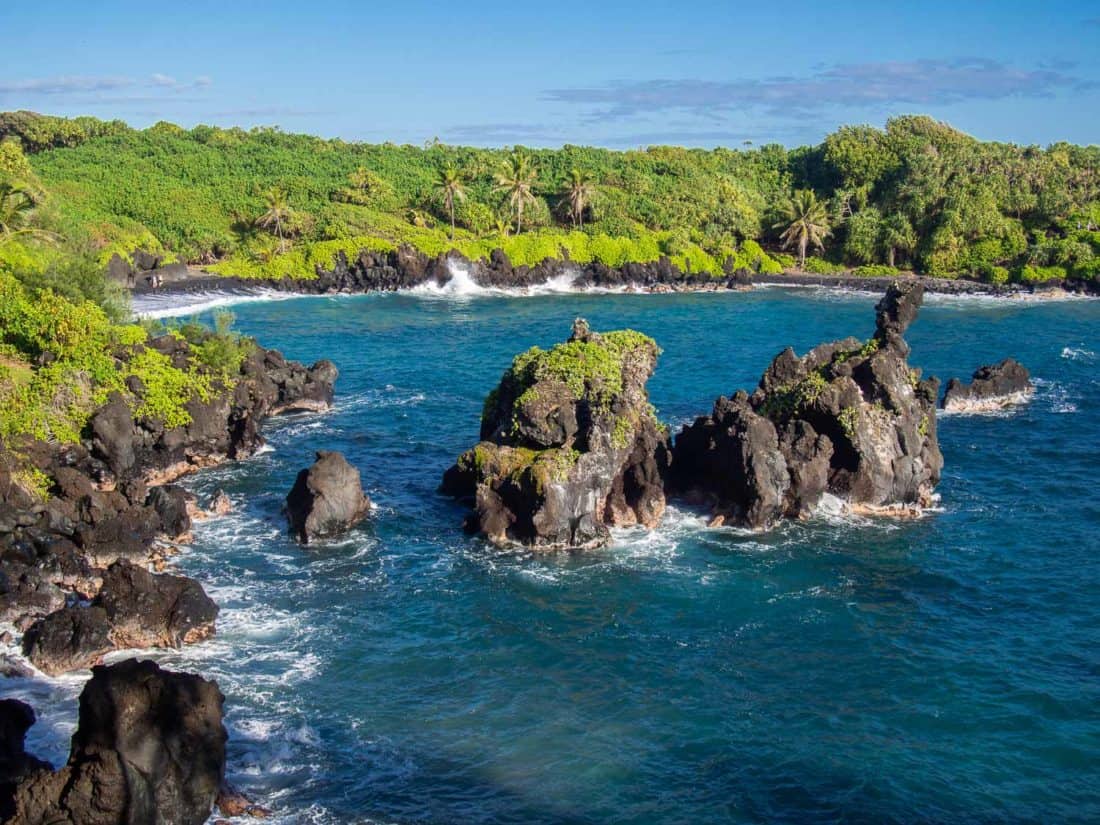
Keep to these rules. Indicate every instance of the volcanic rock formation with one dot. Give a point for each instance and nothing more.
(327, 499)
(850, 418)
(991, 388)
(569, 445)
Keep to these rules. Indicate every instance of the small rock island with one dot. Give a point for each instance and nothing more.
(569, 445)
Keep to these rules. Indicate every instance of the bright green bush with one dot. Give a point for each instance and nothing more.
(875, 271)
(1041, 274)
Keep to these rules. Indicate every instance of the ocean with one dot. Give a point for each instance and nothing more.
(841, 669)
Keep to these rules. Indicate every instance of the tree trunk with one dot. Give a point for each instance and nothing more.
(890, 256)
(519, 217)
(802, 254)
(452, 222)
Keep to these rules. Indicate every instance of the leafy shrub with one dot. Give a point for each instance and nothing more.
(875, 271)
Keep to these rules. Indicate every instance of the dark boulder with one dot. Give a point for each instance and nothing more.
(68, 639)
(326, 499)
(147, 609)
(849, 418)
(172, 504)
(991, 388)
(569, 445)
(149, 750)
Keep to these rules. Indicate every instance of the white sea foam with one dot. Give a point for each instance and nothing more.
(1078, 354)
(178, 304)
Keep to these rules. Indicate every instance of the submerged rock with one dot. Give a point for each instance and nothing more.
(149, 748)
(992, 387)
(849, 418)
(569, 445)
(326, 499)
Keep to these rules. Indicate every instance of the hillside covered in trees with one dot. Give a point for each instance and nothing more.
(915, 195)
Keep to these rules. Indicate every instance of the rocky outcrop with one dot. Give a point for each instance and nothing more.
(849, 418)
(327, 499)
(134, 608)
(225, 426)
(100, 503)
(991, 388)
(149, 748)
(569, 445)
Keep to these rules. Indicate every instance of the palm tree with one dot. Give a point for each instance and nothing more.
(898, 235)
(278, 214)
(806, 222)
(515, 181)
(17, 202)
(451, 188)
(579, 193)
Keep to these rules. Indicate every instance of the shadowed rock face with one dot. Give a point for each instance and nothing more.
(149, 749)
(849, 418)
(991, 388)
(327, 499)
(569, 445)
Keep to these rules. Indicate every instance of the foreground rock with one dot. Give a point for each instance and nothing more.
(16, 719)
(991, 388)
(149, 748)
(849, 418)
(569, 445)
(327, 499)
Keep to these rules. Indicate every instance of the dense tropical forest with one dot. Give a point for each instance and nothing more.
(915, 195)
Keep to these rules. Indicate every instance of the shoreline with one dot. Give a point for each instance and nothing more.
(199, 282)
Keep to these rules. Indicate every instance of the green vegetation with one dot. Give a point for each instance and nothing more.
(916, 194)
(592, 367)
(60, 359)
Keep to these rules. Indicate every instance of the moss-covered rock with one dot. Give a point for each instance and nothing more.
(569, 445)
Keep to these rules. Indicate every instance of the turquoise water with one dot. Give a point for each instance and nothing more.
(838, 670)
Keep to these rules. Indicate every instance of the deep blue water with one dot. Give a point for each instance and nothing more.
(942, 670)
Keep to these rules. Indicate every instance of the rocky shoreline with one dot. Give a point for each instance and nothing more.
(407, 268)
(81, 575)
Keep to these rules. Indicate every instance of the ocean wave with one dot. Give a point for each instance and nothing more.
(1078, 354)
(177, 304)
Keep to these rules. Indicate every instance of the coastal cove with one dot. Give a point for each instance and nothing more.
(941, 668)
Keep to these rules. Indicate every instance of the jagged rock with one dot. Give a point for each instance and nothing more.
(326, 499)
(16, 719)
(68, 639)
(149, 750)
(848, 418)
(220, 504)
(569, 445)
(991, 388)
(732, 457)
(172, 504)
(147, 609)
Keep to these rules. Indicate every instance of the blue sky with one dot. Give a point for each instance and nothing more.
(606, 73)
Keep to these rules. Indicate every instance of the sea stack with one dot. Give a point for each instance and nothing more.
(569, 445)
(327, 499)
(850, 418)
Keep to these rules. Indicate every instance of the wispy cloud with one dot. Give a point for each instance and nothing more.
(86, 85)
(922, 82)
